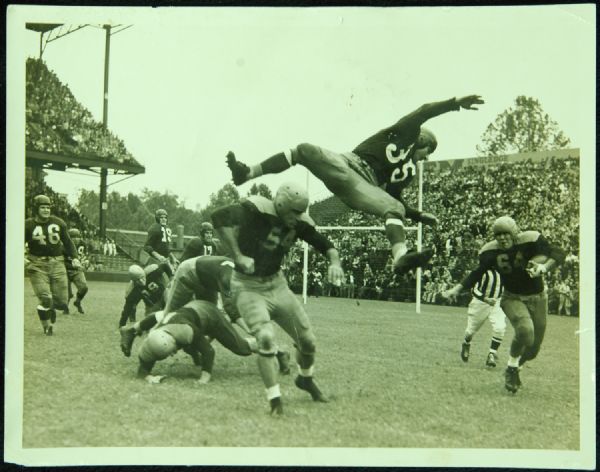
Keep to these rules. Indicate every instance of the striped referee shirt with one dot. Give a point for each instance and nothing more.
(489, 286)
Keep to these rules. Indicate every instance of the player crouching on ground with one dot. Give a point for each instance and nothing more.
(188, 328)
(524, 300)
(258, 233)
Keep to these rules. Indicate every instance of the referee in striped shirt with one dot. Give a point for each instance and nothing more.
(485, 305)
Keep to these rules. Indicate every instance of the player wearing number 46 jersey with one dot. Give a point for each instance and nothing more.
(48, 243)
(372, 177)
(524, 300)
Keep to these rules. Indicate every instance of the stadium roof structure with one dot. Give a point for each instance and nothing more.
(89, 162)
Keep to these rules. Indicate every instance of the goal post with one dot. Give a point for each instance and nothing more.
(418, 228)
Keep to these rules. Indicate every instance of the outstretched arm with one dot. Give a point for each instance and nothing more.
(430, 110)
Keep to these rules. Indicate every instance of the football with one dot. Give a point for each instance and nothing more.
(539, 259)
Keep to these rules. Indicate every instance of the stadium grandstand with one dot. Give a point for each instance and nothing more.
(61, 133)
(540, 190)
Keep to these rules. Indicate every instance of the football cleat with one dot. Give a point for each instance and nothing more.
(127, 337)
(283, 358)
(308, 384)
(276, 406)
(239, 170)
(412, 260)
(512, 382)
(48, 330)
(464, 352)
(79, 307)
(491, 360)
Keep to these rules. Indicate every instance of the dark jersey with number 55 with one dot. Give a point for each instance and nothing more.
(49, 238)
(159, 240)
(511, 263)
(388, 151)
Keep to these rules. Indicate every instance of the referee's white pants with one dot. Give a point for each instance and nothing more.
(479, 311)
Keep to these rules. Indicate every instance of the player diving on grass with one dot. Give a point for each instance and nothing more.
(372, 177)
(524, 300)
(202, 278)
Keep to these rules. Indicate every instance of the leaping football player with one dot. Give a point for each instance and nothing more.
(48, 243)
(258, 233)
(373, 176)
(524, 300)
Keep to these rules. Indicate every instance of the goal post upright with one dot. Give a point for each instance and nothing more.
(419, 236)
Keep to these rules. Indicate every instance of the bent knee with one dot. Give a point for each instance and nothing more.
(307, 343)
(46, 301)
(265, 337)
(306, 152)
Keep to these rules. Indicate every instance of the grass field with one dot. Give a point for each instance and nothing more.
(395, 379)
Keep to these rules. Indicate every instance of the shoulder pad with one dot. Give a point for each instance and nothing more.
(489, 247)
(264, 205)
(527, 237)
(307, 219)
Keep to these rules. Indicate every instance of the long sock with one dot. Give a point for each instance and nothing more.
(468, 338)
(495, 344)
(272, 165)
(147, 323)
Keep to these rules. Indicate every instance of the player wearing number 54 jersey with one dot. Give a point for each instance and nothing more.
(524, 300)
(47, 239)
(372, 177)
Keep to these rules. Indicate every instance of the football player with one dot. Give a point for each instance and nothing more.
(203, 278)
(76, 275)
(145, 284)
(190, 328)
(48, 243)
(524, 300)
(258, 233)
(158, 242)
(372, 177)
(202, 246)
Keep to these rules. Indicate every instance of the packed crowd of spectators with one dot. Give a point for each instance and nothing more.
(542, 196)
(57, 123)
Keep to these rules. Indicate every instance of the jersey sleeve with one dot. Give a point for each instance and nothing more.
(228, 216)
(201, 345)
(69, 247)
(153, 237)
(132, 298)
(550, 250)
(191, 249)
(310, 234)
(425, 112)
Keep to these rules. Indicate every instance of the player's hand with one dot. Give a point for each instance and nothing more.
(450, 294)
(535, 270)
(245, 264)
(490, 301)
(160, 258)
(27, 262)
(468, 102)
(429, 219)
(204, 378)
(335, 274)
(154, 379)
(76, 264)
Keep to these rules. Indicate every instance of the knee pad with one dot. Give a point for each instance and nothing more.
(304, 151)
(524, 332)
(265, 339)
(307, 344)
(395, 215)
